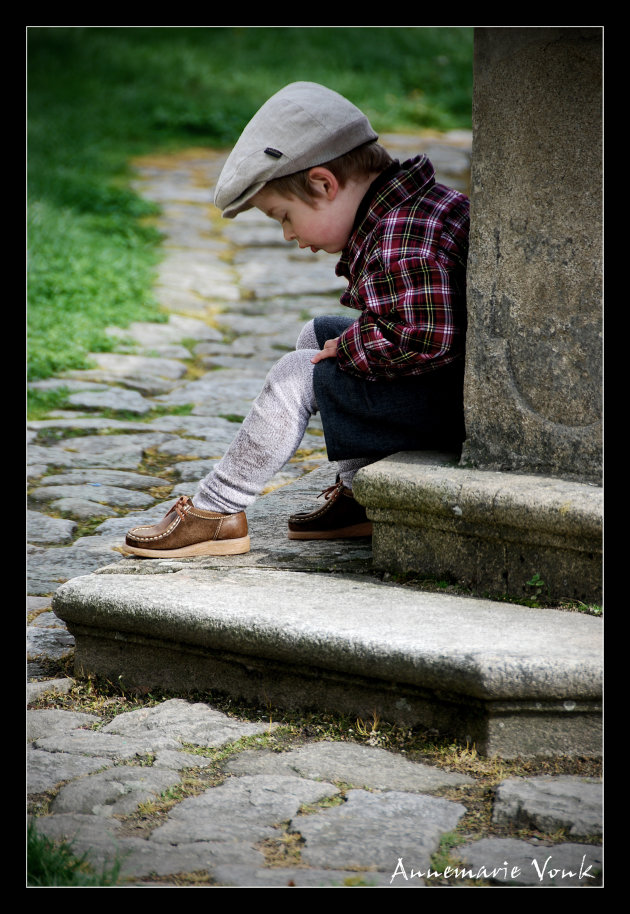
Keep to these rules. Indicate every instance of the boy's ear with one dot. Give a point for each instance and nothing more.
(323, 182)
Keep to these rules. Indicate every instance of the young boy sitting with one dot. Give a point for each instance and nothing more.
(390, 379)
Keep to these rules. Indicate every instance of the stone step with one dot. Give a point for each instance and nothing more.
(317, 629)
(504, 534)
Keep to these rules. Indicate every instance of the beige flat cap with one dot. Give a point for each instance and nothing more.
(301, 126)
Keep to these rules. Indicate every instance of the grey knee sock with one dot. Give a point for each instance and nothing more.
(268, 438)
(348, 469)
(307, 338)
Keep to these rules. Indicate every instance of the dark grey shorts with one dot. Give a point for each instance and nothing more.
(377, 418)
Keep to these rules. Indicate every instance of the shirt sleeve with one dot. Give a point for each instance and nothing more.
(409, 322)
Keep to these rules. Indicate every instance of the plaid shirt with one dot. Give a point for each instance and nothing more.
(406, 266)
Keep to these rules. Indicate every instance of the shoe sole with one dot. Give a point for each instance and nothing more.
(358, 530)
(211, 547)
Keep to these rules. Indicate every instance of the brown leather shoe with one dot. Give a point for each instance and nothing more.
(341, 517)
(189, 531)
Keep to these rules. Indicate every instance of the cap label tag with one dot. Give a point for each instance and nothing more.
(273, 152)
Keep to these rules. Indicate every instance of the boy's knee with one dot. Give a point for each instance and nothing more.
(291, 379)
(293, 365)
(307, 338)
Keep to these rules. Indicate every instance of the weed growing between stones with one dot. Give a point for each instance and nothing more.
(309, 809)
(156, 464)
(443, 858)
(177, 880)
(283, 851)
(157, 809)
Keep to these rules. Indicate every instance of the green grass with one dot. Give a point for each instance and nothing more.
(54, 863)
(41, 402)
(97, 96)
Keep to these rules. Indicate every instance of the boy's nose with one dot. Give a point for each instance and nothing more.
(288, 233)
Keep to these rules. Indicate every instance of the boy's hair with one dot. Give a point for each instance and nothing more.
(359, 162)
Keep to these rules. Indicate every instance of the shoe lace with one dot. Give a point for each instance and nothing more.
(330, 491)
(183, 505)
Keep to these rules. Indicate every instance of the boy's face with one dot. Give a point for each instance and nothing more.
(325, 225)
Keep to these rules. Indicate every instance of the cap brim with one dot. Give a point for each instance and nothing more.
(243, 202)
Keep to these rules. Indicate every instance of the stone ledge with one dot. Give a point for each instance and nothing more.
(488, 530)
(511, 679)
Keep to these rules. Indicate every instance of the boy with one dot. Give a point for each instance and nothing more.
(386, 381)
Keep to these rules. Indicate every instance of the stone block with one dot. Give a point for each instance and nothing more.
(533, 389)
(511, 680)
(505, 534)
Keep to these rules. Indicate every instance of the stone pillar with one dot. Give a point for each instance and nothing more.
(520, 515)
(534, 347)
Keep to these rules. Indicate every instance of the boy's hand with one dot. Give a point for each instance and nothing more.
(329, 351)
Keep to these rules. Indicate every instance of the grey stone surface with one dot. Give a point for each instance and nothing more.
(358, 766)
(36, 604)
(100, 838)
(96, 492)
(47, 770)
(296, 274)
(186, 271)
(180, 760)
(491, 531)
(214, 446)
(69, 384)
(144, 382)
(73, 422)
(117, 791)
(215, 390)
(300, 877)
(123, 451)
(193, 470)
(44, 529)
(117, 478)
(376, 839)
(533, 390)
(122, 400)
(46, 636)
(59, 686)
(34, 471)
(197, 724)
(551, 803)
(105, 745)
(81, 508)
(95, 832)
(392, 826)
(192, 425)
(511, 651)
(147, 858)
(177, 328)
(115, 363)
(251, 629)
(241, 810)
(42, 723)
(49, 568)
(520, 863)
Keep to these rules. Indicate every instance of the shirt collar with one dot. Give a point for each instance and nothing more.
(372, 193)
(392, 187)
